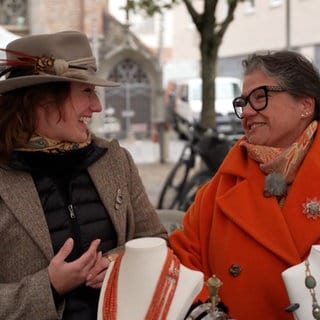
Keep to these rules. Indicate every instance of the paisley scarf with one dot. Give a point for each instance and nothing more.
(44, 144)
(282, 161)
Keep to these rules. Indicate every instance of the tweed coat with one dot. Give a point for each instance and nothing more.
(26, 249)
(246, 239)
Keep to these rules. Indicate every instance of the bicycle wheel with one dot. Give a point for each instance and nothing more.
(189, 192)
(173, 186)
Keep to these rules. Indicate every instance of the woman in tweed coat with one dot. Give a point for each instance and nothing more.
(68, 200)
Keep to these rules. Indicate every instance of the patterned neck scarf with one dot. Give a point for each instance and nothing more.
(43, 144)
(282, 161)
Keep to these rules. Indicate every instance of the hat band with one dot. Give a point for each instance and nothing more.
(77, 69)
(74, 69)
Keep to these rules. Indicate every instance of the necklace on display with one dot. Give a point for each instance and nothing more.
(163, 294)
(311, 283)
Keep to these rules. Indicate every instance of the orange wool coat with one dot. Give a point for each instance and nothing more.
(232, 223)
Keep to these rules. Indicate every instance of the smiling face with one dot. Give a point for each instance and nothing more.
(71, 123)
(282, 121)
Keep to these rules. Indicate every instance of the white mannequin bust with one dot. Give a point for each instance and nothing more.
(139, 271)
(294, 279)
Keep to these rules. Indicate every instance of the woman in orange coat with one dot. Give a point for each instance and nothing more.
(260, 213)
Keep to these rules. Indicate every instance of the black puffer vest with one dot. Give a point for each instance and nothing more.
(73, 209)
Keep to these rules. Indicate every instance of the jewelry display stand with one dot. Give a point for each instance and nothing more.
(295, 281)
(139, 272)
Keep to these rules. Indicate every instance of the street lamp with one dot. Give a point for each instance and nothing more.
(288, 23)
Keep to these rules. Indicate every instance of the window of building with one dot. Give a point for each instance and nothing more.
(276, 3)
(250, 6)
(13, 13)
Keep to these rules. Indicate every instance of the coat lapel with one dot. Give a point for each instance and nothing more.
(261, 218)
(305, 189)
(107, 176)
(25, 205)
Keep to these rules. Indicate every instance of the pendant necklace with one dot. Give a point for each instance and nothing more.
(163, 294)
(311, 283)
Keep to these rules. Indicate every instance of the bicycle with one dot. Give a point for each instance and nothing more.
(185, 178)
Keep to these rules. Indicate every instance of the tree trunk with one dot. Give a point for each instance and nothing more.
(209, 53)
(208, 74)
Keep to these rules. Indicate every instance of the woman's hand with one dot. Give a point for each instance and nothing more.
(65, 276)
(98, 271)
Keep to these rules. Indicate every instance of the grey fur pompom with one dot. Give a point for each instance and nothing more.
(275, 185)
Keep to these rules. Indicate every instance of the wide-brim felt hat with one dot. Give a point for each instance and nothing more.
(58, 57)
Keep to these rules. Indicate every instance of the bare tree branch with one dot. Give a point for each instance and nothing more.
(230, 16)
(195, 16)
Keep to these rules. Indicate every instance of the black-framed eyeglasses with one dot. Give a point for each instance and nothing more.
(257, 98)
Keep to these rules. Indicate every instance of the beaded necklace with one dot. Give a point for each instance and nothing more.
(310, 283)
(163, 294)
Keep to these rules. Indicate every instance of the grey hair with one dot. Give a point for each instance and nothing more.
(292, 71)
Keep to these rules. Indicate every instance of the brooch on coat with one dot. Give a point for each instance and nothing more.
(311, 208)
(119, 199)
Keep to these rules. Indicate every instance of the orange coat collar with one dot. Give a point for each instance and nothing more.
(286, 232)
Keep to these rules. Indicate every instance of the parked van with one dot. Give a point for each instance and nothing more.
(185, 103)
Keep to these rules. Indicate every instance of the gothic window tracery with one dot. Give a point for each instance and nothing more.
(128, 71)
